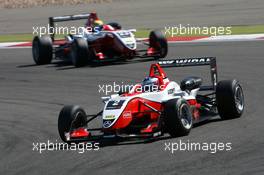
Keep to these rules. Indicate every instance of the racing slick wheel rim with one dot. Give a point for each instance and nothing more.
(160, 49)
(239, 99)
(78, 122)
(185, 116)
(74, 53)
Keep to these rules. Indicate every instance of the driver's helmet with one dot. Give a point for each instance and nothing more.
(97, 23)
(150, 84)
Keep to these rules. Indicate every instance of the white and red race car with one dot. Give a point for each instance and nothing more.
(104, 43)
(157, 106)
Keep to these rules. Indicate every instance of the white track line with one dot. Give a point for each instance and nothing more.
(226, 38)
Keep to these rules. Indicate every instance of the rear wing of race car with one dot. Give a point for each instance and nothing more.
(201, 61)
(53, 20)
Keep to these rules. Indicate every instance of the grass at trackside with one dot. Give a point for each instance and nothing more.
(254, 29)
(15, 37)
(141, 33)
(236, 30)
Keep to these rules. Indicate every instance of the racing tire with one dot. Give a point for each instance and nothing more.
(42, 50)
(158, 41)
(178, 118)
(115, 25)
(229, 99)
(70, 117)
(80, 52)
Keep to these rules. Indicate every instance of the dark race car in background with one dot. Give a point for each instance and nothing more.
(112, 43)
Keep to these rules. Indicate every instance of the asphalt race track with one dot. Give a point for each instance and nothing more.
(32, 96)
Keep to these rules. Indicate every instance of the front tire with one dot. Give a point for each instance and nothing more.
(80, 52)
(70, 117)
(42, 50)
(158, 41)
(229, 99)
(177, 117)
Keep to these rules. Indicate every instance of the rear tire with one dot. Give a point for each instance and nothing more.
(70, 117)
(42, 50)
(158, 41)
(229, 99)
(80, 52)
(177, 117)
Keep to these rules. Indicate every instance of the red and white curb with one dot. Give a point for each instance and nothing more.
(7, 45)
(179, 39)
